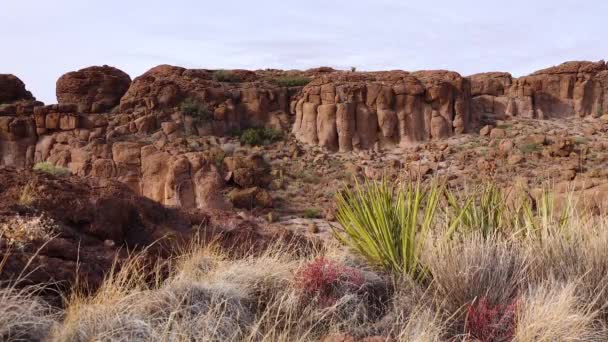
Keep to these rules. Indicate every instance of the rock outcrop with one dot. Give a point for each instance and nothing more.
(572, 88)
(94, 89)
(159, 137)
(12, 89)
(73, 230)
(233, 100)
(342, 110)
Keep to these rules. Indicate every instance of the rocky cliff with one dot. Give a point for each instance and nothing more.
(342, 111)
(158, 133)
(572, 88)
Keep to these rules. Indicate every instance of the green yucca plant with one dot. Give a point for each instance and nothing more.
(389, 224)
(541, 217)
(483, 211)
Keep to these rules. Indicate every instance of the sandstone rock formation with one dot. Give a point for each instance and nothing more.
(571, 88)
(236, 99)
(342, 111)
(160, 150)
(12, 89)
(94, 89)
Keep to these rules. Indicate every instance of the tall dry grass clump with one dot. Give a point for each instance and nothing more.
(475, 268)
(554, 312)
(24, 314)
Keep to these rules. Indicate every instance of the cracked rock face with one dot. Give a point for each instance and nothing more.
(571, 88)
(345, 111)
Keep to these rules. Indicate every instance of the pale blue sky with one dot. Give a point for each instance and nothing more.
(42, 39)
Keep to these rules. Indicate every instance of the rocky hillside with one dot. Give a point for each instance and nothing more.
(166, 133)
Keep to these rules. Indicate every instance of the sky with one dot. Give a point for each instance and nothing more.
(43, 39)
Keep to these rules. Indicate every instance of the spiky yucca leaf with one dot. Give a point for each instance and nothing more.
(541, 218)
(388, 224)
(483, 211)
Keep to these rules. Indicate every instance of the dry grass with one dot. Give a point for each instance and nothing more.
(555, 313)
(557, 277)
(24, 316)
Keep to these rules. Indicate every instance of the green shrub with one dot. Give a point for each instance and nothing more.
(529, 148)
(200, 112)
(260, 136)
(312, 213)
(226, 76)
(388, 224)
(51, 169)
(291, 81)
(579, 140)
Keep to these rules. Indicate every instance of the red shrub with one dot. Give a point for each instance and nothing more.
(327, 280)
(491, 323)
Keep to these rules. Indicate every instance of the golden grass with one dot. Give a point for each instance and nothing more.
(557, 276)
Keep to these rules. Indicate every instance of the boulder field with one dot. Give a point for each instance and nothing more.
(139, 132)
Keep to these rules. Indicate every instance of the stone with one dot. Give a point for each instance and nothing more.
(12, 89)
(506, 146)
(94, 89)
(485, 130)
(498, 133)
(515, 159)
(250, 198)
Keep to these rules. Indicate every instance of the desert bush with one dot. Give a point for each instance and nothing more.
(260, 136)
(491, 323)
(28, 194)
(554, 313)
(51, 169)
(327, 280)
(23, 315)
(19, 230)
(312, 213)
(576, 255)
(388, 224)
(199, 111)
(226, 76)
(291, 81)
(466, 271)
(530, 148)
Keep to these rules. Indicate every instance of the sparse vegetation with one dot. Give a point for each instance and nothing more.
(312, 213)
(496, 288)
(260, 136)
(308, 177)
(199, 111)
(52, 169)
(530, 148)
(28, 194)
(580, 140)
(226, 76)
(291, 81)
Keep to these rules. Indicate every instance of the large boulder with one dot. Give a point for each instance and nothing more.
(94, 89)
(12, 89)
